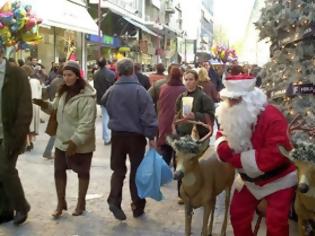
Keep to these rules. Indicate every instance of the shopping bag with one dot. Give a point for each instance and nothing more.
(152, 173)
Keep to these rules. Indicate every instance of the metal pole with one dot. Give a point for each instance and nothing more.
(99, 26)
(99, 17)
(185, 50)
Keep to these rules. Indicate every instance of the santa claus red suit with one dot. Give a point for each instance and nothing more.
(250, 132)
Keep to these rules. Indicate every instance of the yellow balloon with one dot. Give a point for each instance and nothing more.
(7, 7)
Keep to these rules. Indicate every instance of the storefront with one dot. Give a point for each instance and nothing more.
(106, 46)
(64, 25)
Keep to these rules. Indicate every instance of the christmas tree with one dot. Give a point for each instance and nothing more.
(289, 77)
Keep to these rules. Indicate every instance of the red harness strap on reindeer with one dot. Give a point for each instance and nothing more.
(249, 139)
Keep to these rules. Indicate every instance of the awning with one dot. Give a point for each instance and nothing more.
(64, 14)
(140, 26)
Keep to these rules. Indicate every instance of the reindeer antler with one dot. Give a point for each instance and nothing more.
(297, 124)
(208, 126)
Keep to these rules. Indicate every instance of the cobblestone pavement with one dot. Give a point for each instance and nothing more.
(165, 218)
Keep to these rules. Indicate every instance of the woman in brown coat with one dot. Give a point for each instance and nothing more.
(207, 85)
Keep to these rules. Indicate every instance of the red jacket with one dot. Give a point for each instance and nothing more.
(270, 131)
(166, 109)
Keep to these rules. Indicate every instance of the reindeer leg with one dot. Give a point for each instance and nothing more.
(188, 218)
(206, 213)
(227, 204)
(211, 219)
(301, 226)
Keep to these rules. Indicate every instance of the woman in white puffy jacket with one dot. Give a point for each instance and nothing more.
(75, 106)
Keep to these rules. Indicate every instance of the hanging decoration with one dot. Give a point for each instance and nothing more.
(18, 25)
(224, 54)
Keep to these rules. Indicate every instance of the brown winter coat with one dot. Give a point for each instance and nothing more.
(209, 88)
(16, 109)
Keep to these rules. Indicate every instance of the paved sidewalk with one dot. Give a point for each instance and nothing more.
(165, 218)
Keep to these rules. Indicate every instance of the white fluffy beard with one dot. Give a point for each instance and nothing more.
(237, 122)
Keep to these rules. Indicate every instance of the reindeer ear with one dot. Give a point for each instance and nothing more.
(171, 140)
(285, 152)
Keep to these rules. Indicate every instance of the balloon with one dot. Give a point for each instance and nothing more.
(6, 18)
(18, 26)
(7, 7)
(31, 37)
(30, 23)
(5, 34)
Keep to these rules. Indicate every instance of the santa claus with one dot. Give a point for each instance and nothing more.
(250, 132)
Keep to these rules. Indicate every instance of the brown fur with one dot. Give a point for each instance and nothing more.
(304, 202)
(203, 180)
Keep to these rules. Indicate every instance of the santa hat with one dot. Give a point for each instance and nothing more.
(238, 85)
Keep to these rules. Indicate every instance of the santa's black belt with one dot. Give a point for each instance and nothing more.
(265, 176)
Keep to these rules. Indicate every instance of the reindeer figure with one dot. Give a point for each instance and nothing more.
(203, 178)
(303, 158)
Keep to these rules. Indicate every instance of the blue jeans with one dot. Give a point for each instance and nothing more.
(49, 147)
(106, 130)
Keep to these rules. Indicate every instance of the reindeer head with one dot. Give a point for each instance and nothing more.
(188, 152)
(303, 158)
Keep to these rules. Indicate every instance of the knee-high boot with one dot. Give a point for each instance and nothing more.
(83, 187)
(61, 194)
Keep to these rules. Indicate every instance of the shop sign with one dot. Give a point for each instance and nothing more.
(108, 40)
(94, 38)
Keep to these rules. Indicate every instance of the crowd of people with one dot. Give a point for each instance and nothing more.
(137, 109)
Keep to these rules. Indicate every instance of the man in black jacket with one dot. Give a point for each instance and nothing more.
(103, 79)
(15, 118)
(143, 79)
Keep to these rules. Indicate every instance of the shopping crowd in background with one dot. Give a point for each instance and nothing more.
(136, 110)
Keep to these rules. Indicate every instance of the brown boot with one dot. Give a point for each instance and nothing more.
(83, 187)
(61, 193)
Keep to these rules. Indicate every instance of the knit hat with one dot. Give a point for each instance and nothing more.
(73, 66)
(238, 85)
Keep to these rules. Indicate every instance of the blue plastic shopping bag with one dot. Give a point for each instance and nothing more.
(152, 173)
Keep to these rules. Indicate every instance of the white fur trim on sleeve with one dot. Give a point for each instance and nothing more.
(248, 160)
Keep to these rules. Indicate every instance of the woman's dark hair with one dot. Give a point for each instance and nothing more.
(175, 76)
(76, 88)
(236, 70)
(160, 69)
(193, 72)
(176, 73)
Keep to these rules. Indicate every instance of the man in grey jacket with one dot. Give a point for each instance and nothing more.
(132, 119)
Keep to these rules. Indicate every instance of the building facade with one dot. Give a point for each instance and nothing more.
(197, 29)
(147, 29)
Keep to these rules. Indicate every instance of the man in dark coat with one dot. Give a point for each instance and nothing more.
(215, 78)
(15, 118)
(103, 79)
(143, 79)
(132, 120)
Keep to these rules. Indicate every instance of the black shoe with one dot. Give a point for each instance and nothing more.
(21, 216)
(6, 216)
(117, 212)
(137, 213)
